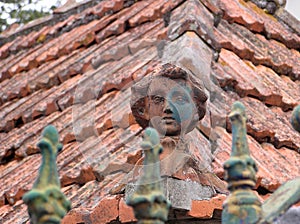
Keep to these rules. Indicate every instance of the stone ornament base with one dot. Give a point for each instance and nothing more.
(179, 192)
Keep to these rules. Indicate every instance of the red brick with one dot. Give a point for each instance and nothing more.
(75, 216)
(106, 211)
(205, 209)
(237, 11)
(126, 213)
(265, 155)
(149, 13)
(257, 20)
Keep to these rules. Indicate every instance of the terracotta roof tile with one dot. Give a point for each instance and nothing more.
(57, 47)
(4, 50)
(8, 63)
(258, 81)
(15, 46)
(17, 213)
(120, 44)
(118, 26)
(240, 13)
(106, 211)
(125, 212)
(10, 115)
(206, 208)
(279, 132)
(28, 144)
(76, 215)
(80, 161)
(40, 104)
(105, 7)
(257, 20)
(21, 179)
(23, 140)
(263, 155)
(153, 11)
(45, 76)
(258, 49)
(104, 83)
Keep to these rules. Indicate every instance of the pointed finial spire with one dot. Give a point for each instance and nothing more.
(239, 133)
(46, 203)
(148, 201)
(242, 205)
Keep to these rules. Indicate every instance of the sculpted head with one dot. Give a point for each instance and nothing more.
(168, 99)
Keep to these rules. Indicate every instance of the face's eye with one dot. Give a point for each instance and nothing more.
(181, 99)
(157, 99)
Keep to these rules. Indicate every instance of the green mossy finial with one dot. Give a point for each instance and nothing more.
(239, 134)
(242, 205)
(148, 201)
(288, 193)
(46, 203)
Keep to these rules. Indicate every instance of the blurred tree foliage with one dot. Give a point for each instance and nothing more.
(22, 11)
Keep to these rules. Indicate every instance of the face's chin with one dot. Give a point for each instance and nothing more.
(166, 127)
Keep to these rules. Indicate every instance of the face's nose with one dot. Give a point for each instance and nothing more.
(167, 107)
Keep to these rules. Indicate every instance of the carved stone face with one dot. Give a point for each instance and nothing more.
(169, 99)
(171, 108)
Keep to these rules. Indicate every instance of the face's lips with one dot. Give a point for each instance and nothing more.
(168, 120)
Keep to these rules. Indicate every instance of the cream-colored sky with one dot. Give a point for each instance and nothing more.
(293, 6)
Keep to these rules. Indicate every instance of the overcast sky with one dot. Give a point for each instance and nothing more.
(293, 6)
